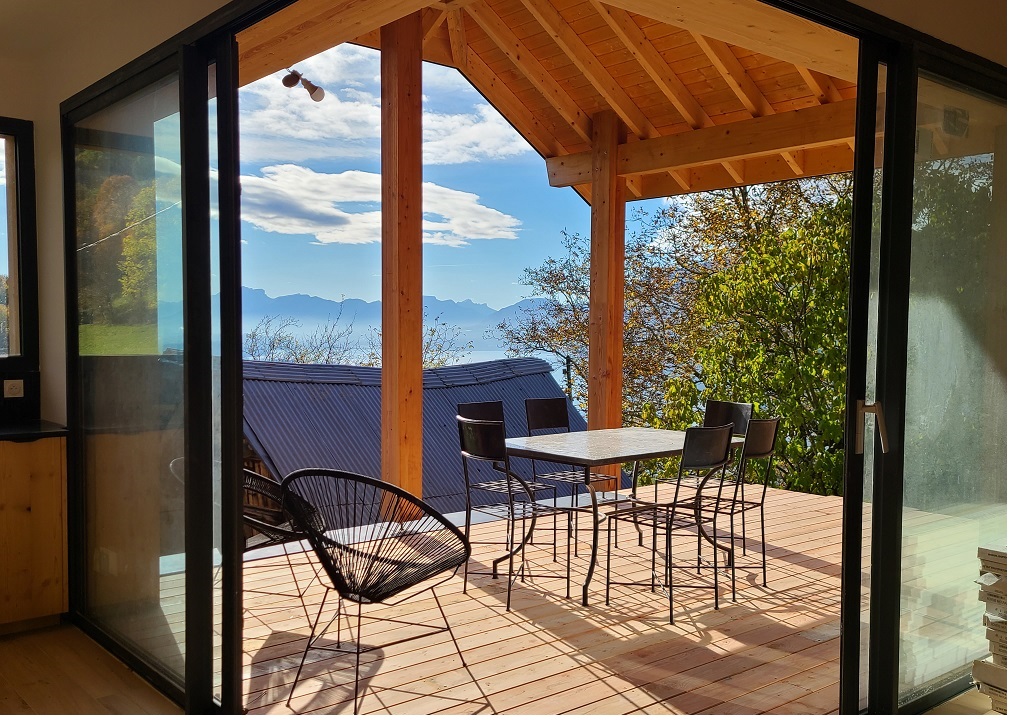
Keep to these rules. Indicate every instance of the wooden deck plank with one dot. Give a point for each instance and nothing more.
(773, 648)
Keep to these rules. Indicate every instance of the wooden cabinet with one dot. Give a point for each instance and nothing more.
(33, 528)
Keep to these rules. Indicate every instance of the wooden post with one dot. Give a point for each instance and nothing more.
(402, 304)
(606, 281)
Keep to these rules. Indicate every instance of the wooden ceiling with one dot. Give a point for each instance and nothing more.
(714, 93)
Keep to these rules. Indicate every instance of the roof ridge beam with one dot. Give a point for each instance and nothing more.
(818, 126)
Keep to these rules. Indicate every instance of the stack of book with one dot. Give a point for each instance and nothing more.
(990, 675)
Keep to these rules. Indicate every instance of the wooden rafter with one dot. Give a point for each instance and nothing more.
(654, 64)
(734, 74)
(755, 171)
(308, 27)
(823, 87)
(457, 39)
(820, 126)
(758, 26)
(567, 39)
(432, 20)
(516, 51)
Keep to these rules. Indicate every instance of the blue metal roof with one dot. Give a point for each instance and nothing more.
(329, 416)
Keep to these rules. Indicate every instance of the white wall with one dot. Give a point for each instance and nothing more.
(975, 25)
(51, 49)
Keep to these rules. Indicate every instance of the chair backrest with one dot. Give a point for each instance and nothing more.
(706, 447)
(547, 414)
(373, 539)
(490, 410)
(482, 439)
(719, 412)
(760, 438)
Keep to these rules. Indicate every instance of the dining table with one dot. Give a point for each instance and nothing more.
(587, 449)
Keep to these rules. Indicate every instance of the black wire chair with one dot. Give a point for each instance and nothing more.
(484, 441)
(374, 541)
(266, 526)
(546, 415)
(707, 450)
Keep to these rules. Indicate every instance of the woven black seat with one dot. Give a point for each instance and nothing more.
(374, 541)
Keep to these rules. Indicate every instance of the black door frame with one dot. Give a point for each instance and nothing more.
(904, 61)
(212, 40)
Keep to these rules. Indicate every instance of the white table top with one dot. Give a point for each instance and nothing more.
(599, 447)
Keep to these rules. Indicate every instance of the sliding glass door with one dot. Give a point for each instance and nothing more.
(152, 404)
(927, 362)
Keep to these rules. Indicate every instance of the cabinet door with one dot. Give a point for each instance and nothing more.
(33, 526)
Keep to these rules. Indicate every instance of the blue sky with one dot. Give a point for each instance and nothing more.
(310, 188)
(3, 205)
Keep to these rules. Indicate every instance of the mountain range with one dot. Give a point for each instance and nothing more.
(474, 319)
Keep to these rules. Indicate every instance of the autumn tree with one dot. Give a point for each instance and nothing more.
(711, 278)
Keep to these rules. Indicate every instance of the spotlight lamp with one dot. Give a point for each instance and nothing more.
(293, 77)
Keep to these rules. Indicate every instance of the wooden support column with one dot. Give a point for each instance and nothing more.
(402, 304)
(606, 277)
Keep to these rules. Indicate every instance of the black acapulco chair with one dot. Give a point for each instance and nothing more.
(374, 542)
(483, 441)
(264, 526)
(705, 450)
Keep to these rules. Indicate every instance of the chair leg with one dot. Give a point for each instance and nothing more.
(555, 523)
(465, 567)
(448, 627)
(669, 567)
(698, 553)
(567, 571)
(574, 503)
(655, 546)
(742, 514)
(714, 558)
(763, 546)
(609, 531)
(308, 645)
(731, 558)
(357, 664)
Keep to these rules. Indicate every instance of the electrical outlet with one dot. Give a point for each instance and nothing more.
(14, 388)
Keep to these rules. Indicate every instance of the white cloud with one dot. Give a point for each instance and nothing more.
(462, 138)
(344, 208)
(3, 173)
(280, 124)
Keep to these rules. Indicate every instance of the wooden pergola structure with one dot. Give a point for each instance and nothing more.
(627, 99)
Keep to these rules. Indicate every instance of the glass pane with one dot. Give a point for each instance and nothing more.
(871, 358)
(215, 329)
(955, 414)
(130, 296)
(9, 323)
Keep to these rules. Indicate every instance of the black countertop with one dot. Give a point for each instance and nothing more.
(31, 430)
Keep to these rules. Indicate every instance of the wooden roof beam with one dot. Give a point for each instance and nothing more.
(308, 27)
(760, 27)
(430, 22)
(771, 168)
(567, 39)
(457, 39)
(814, 127)
(729, 67)
(823, 86)
(516, 51)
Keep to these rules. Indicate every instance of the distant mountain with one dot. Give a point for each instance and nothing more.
(475, 319)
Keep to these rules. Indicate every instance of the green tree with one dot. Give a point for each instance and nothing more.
(689, 266)
(138, 266)
(776, 322)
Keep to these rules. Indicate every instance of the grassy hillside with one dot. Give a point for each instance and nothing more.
(119, 339)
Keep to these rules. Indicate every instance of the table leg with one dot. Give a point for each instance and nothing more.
(595, 539)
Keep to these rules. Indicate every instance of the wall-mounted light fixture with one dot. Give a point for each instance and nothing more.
(293, 77)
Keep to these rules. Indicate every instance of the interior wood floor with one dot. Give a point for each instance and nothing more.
(774, 650)
(60, 670)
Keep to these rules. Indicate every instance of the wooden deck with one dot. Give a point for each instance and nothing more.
(775, 650)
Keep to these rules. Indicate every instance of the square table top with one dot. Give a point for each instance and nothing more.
(599, 447)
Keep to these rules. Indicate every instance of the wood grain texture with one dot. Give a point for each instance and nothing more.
(33, 526)
(774, 650)
(402, 254)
